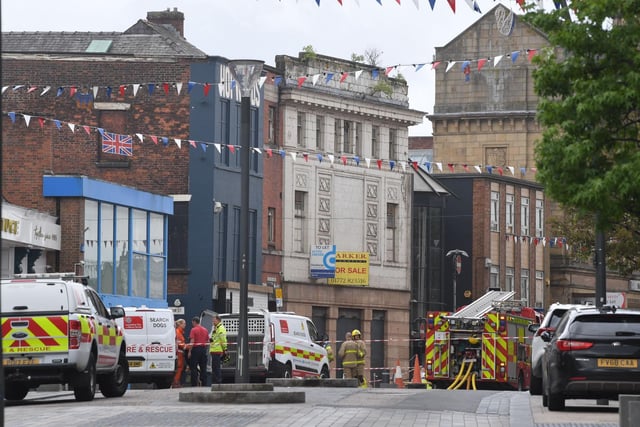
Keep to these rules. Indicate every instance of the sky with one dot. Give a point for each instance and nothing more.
(262, 29)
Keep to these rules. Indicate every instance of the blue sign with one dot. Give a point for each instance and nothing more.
(323, 261)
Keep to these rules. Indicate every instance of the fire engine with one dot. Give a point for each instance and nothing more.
(484, 344)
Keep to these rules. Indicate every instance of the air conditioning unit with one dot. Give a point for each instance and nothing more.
(634, 285)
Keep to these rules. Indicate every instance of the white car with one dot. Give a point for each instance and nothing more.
(549, 323)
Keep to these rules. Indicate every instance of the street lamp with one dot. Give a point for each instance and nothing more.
(456, 258)
(246, 73)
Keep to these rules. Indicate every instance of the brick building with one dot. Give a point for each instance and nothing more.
(68, 96)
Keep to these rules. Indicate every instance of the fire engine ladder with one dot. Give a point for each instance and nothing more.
(482, 305)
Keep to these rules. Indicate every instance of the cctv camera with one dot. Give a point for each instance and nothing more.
(217, 207)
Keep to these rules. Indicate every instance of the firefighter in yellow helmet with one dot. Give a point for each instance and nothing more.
(349, 354)
(362, 352)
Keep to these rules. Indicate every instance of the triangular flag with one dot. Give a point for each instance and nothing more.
(449, 65)
(489, 168)
(203, 146)
(218, 147)
(151, 87)
(165, 88)
(500, 171)
(450, 165)
(427, 165)
(319, 156)
(72, 127)
(282, 153)
(531, 53)
(269, 152)
(374, 73)
(497, 59)
(331, 158)
(392, 164)
(154, 139)
(415, 165)
(58, 124)
(232, 148)
(512, 170)
(136, 86)
(418, 66)
(435, 64)
(388, 70)
(206, 88)
(190, 86)
(87, 129)
(192, 143)
(301, 80)
(357, 74)
(417, 4)
(179, 87)
(368, 162)
(432, 3)
(293, 155)
(452, 3)
(344, 160)
(140, 137)
(465, 167)
(344, 77)
(178, 142)
(328, 78)
(45, 90)
(477, 168)
(41, 121)
(315, 79)
(4, 88)
(439, 165)
(379, 162)
(121, 90)
(403, 165)
(60, 91)
(261, 81)
(481, 63)
(357, 160)
(165, 141)
(514, 55)
(27, 119)
(305, 156)
(277, 80)
(32, 88)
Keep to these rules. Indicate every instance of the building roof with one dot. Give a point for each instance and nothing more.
(143, 39)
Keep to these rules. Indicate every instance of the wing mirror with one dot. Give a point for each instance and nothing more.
(546, 336)
(533, 327)
(117, 312)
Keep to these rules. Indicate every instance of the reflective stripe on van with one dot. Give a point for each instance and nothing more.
(281, 349)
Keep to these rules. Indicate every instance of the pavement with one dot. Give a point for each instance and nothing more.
(322, 406)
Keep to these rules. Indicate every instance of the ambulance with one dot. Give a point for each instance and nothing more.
(281, 345)
(151, 345)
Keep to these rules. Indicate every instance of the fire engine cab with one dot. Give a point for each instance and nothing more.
(485, 343)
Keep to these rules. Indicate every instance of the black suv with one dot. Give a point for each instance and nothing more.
(593, 354)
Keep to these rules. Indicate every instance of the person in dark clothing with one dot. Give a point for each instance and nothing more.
(198, 344)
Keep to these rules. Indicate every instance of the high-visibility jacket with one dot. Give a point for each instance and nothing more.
(349, 353)
(218, 339)
(362, 351)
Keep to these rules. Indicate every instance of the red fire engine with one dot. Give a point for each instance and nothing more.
(485, 343)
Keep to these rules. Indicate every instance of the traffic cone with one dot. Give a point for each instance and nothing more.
(416, 372)
(398, 376)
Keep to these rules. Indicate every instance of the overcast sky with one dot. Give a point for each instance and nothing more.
(262, 29)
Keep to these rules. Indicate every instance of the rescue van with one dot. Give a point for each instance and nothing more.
(281, 345)
(151, 345)
(56, 330)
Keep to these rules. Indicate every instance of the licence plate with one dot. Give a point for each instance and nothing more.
(617, 363)
(20, 362)
(135, 363)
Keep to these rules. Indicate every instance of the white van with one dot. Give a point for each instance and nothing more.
(151, 345)
(281, 345)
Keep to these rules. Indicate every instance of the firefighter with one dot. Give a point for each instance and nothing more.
(349, 354)
(361, 353)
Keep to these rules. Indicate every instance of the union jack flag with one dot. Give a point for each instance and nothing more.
(113, 143)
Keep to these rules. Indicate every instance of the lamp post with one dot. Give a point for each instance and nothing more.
(246, 73)
(456, 259)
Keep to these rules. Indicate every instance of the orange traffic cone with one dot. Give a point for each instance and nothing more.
(398, 376)
(416, 372)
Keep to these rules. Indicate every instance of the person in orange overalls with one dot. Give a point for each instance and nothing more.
(181, 345)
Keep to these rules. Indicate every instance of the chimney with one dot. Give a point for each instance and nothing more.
(171, 17)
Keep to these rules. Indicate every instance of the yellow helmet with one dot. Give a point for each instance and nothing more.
(355, 332)
(473, 340)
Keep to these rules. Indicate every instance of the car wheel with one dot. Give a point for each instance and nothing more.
(84, 388)
(287, 372)
(325, 372)
(535, 388)
(115, 384)
(556, 402)
(16, 391)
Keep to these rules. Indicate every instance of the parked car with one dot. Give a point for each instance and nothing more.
(549, 323)
(593, 354)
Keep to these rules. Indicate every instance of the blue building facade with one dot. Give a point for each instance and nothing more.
(214, 186)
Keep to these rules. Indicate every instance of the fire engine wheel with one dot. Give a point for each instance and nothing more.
(556, 402)
(84, 388)
(287, 371)
(16, 391)
(535, 388)
(325, 372)
(115, 384)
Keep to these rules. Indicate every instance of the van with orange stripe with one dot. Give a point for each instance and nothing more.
(281, 345)
(56, 330)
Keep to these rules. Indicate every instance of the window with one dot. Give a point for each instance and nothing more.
(301, 129)
(524, 215)
(524, 286)
(509, 212)
(358, 136)
(299, 244)
(391, 232)
(271, 225)
(222, 219)
(375, 142)
(495, 211)
(272, 125)
(337, 136)
(125, 250)
(510, 280)
(539, 218)
(393, 144)
(494, 277)
(320, 133)
(223, 129)
(177, 258)
(347, 136)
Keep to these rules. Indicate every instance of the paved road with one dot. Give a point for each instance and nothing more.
(323, 407)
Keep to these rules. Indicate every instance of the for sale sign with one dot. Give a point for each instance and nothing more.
(352, 268)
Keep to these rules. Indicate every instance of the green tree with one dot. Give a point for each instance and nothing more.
(589, 86)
